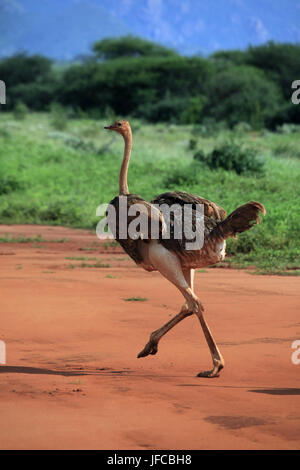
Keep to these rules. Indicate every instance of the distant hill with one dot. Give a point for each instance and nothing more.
(63, 29)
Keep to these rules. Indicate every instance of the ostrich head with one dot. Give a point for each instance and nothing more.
(122, 127)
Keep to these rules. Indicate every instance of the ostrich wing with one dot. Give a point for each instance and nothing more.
(211, 209)
(213, 214)
(148, 215)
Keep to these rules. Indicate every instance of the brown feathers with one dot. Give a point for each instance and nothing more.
(211, 209)
(147, 213)
(240, 220)
(216, 226)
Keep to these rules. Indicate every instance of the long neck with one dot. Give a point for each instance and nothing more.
(123, 187)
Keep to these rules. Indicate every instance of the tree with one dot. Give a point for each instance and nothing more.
(280, 61)
(242, 94)
(129, 46)
(127, 85)
(29, 79)
(21, 68)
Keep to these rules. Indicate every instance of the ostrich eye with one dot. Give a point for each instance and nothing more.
(119, 124)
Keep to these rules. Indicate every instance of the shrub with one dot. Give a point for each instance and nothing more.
(208, 127)
(192, 144)
(288, 128)
(67, 213)
(232, 157)
(182, 176)
(286, 114)
(20, 111)
(80, 144)
(242, 127)
(286, 150)
(168, 109)
(4, 133)
(192, 112)
(58, 116)
(9, 184)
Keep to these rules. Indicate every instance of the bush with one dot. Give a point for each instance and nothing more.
(20, 111)
(58, 213)
(287, 114)
(168, 109)
(80, 144)
(9, 184)
(192, 144)
(286, 150)
(232, 157)
(242, 127)
(208, 127)
(288, 128)
(193, 110)
(4, 133)
(58, 116)
(182, 176)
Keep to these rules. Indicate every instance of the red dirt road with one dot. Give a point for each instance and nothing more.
(72, 379)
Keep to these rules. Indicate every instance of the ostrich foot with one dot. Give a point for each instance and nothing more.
(211, 373)
(150, 348)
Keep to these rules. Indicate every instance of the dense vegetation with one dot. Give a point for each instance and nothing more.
(59, 177)
(133, 77)
(223, 127)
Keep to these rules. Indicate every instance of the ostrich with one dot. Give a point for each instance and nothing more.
(170, 257)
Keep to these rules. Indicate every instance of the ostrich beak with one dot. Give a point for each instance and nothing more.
(109, 127)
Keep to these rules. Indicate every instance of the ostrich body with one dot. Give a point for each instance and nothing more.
(170, 256)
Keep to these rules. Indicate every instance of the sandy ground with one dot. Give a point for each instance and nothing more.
(72, 379)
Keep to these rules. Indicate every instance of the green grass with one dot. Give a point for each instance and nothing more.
(21, 239)
(88, 249)
(45, 180)
(99, 264)
(112, 244)
(275, 272)
(136, 299)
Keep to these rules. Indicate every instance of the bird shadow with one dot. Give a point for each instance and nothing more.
(37, 370)
(277, 391)
(267, 391)
(99, 371)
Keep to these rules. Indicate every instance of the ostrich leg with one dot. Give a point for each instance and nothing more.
(152, 345)
(218, 361)
(217, 358)
(169, 266)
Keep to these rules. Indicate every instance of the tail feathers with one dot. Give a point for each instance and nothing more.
(240, 220)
